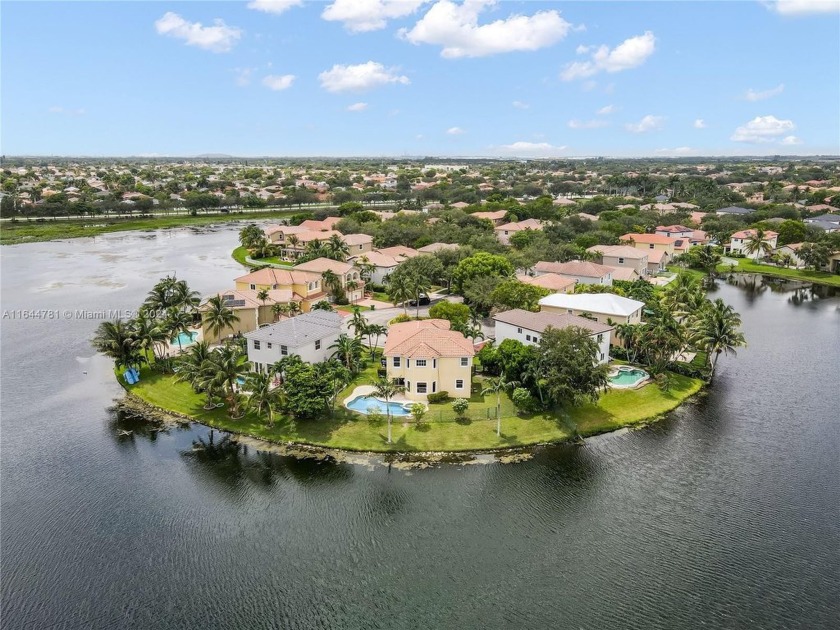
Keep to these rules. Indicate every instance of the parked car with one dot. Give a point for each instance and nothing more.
(424, 301)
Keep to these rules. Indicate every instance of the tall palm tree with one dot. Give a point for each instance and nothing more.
(400, 291)
(756, 243)
(716, 331)
(149, 333)
(263, 397)
(183, 297)
(374, 332)
(348, 350)
(629, 335)
(193, 367)
(352, 285)
(419, 286)
(332, 282)
(315, 249)
(225, 369)
(262, 296)
(497, 386)
(218, 316)
(278, 309)
(358, 323)
(177, 322)
(117, 340)
(386, 390)
(293, 241)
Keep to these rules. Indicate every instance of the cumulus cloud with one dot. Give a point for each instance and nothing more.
(763, 129)
(359, 77)
(455, 28)
(359, 16)
(274, 6)
(606, 110)
(520, 105)
(630, 53)
(804, 7)
(455, 131)
(218, 38)
(243, 76)
(278, 82)
(587, 124)
(755, 95)
(357, 107)
(788, 140)
(648, 123)
(533, 149)
(700, 124)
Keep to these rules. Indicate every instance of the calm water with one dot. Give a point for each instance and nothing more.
(726, 515)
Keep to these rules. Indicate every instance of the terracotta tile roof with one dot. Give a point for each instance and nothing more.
(280, 277)
(527, 224)
(574, 268)
(672, 228)
(768, 235)
(552, 281)
(494, 215)
(320, 265)
(431, 248)
(656, 239)
(538, 322)
(622, 251)
(655, 255)
(624, 273)
(398, 250)
(305, 237)
(378, 259)
(357, 239)
(427, 338)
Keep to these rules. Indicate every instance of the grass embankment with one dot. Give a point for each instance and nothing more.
(29, 231)
(440, 432)
(805, 275)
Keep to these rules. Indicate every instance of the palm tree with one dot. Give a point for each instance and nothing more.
(352, 285)
(756, 244)
(183, 297)
(374, 332)
(629, 335)
(336, 248)
(225, 369)
(315, 249)
(279, 309)
(332, 282)
(419, 286)
(193, 366)
(262, 296)
(497, 386)
(263, 397)
(177, 322)
(149, 334)
(293, 241)
(348, 350)
(400, 291)
(386, 390)
(358, 323)
(366, 268)
(218, 316)
(117, 340)
(716, 331)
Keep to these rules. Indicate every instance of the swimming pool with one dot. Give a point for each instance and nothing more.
(371, 404)
(184, 338)
(625, 376)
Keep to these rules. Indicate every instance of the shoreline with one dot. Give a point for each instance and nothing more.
(137, 405)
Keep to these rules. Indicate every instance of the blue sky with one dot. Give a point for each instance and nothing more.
(351, 78)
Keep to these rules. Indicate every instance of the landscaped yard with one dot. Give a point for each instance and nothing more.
(806, 275)
(440, 432)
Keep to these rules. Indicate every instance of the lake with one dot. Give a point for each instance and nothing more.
(724, 515)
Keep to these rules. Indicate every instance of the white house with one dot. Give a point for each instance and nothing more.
(738, 243)
(309, 336)
(601, 307)
(527, 327)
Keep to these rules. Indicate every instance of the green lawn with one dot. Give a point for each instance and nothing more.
(806, 275)
(239, 254)
(352, 431)
(23, 231)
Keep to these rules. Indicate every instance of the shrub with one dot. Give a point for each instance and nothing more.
(374, 416)
(523, 400)
(438, 397)
(399, 319)
(460, 406)
(418, 410)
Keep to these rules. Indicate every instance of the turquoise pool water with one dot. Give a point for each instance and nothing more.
(627, 377)
(364, 404)
(185, 339)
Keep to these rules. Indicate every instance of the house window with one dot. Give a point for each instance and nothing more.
(421, 388)
(602, 356)
(434, 386)
(256, 345)
(396, 362)
(527, 337)
(465, 361)
(459, 383)
(284, 350)
(317, 344)
(420, 362)
(253, 287)
(408, 386)
(569, 311)
(650, 246)
(360, 247)
(600, 338)
(268, 345)
(620, 261)
(519, 331)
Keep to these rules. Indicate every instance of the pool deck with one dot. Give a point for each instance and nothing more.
(368, 390)
(615, 369)
(174, 349)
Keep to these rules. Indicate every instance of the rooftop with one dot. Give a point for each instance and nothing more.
(297, 331)
(603, 303)
(427, 338)
(538, 322)
(574, 268)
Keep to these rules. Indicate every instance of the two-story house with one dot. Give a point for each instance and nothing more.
(528, 328)
(427, 357)
(305, 287)
(604, 308)
(347, 273)
(739, 243)
(506, 231)
(659, 248)
(308, 336)
(583, 272)
(622, 256)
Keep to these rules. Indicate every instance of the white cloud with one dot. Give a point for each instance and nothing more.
(700, 124)
(243, 76)
(520, 105)
(278, 82)
(360, 16)
(363, 76)
(455, 131)
(582, 50)
(630, 53)
(219, 38)
(357, 107)
(753, 95)
(608, 109)
(763, 129)
(648, 123)
(274, 6)
(676, 151)
(804, 7)
(788, 140)
(526, 149)
(587, 124)
(56, 109)
(455, 28)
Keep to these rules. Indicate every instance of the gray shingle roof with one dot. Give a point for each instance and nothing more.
(735, 210)
(538, 322)
(300, 330)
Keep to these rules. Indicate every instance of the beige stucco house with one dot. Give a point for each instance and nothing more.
(622, 256)
(426, 357)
